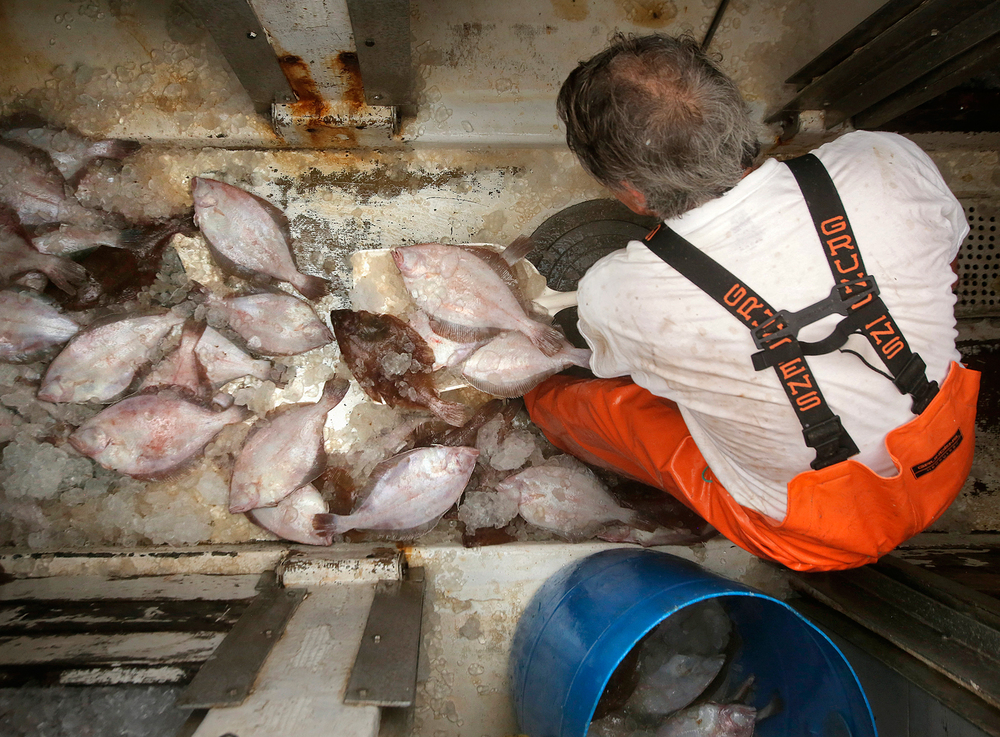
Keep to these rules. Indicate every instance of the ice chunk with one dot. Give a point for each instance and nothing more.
(487, 509)
(514, 451)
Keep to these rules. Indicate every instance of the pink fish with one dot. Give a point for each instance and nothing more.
(249, 236)
(32, 187)
(410, 491)
(710, 720)
(224, 361)
(100, 363)
(510, 365)
(273, 323)
(182, 369)
(150, 436)
(18, 256)
(30, 325)
(283, 453)
(465, 296)
(564, 496)
(292, 518)
(70, 152)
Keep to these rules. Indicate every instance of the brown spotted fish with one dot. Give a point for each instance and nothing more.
(249, 236)
(150, 436)
(409, 491)
(100, 363)
(272, 323)
(30, 326)
(292, 518)
(510, 365)
(466, 296)
(283, 452)
(18, 257)
(391, 362)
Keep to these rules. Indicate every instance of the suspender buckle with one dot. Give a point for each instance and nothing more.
(912, 380)
(830, 441)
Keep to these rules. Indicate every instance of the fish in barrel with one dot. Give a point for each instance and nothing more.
(284, 452)
(249, 236)
(391, 362)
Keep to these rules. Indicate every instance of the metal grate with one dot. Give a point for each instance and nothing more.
(979, 262)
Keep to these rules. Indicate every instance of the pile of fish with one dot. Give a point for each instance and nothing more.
(160, 374)
(681, 681)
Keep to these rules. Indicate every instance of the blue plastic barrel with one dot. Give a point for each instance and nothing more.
(586, 618)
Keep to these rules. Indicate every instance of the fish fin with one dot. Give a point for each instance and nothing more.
(578, 356)
(547, 339)
(335, 390)
(460, 333)
(518, 249)
(511, 389)
(65, 274)
(499, 266)
(331, 524)
(311, 287)
(451, 412)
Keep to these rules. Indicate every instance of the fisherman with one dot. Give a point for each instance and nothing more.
(779, 354)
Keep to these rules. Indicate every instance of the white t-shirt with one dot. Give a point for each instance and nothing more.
(642, 318)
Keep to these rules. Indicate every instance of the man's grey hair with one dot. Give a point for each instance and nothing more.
(657, 113)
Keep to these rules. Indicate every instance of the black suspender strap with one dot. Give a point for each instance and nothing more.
(867, 314)
(772, 332)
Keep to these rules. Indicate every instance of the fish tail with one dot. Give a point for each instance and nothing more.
(66, 274)
(579, 356)
(329, 525)
(451, 412)
(311, 287)
(241, 502)
(547, 339)
(112, 148)
(518, 249)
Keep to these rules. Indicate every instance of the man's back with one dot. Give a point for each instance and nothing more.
(643, 318)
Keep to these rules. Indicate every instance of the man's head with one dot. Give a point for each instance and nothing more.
(657, 122)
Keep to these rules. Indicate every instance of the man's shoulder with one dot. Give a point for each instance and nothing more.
(864, 144)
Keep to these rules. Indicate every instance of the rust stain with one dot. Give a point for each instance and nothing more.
(649, 13)
(309, 102)
(571, 9)
(346, 65)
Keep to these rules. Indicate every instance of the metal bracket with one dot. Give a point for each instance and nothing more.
(227, 677)
(385, 669)
(382, 38)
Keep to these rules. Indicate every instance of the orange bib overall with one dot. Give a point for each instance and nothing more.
(841, 516)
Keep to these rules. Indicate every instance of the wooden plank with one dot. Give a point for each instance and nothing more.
(117, 616)
(81, 588)
(229, 674)
(80, 650)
